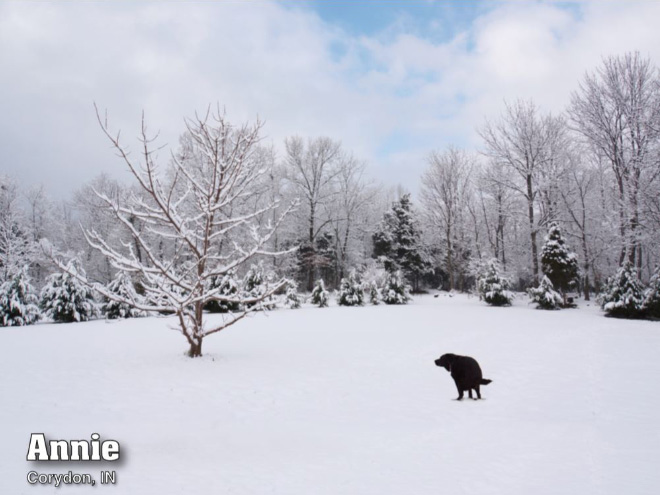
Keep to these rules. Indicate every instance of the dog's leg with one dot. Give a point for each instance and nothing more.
(460, 391)
(470, 393)
(476, 389)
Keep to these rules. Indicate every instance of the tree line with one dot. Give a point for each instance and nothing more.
(223, 200)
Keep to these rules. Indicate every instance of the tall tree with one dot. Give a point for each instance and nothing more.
(526, 142)
(446, 190)
(617, 110)
(195, 204)
(312, 168)
(397, 242)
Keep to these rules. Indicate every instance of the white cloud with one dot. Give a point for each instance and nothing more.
(390, 98)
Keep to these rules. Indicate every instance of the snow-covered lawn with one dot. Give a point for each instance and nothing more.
(344, 401)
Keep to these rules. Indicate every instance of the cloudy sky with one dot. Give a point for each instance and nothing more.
(392, 80)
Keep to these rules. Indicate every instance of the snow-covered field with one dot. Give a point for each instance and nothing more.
(344, 401)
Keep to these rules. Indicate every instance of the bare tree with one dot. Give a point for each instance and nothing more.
(524, 141)
(446, 193)
(348, 211)
(495, 200)
(617, 111)
(312, 169)
(192, 205)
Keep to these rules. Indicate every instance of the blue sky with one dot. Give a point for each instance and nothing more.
(435, 20)
(392, 80)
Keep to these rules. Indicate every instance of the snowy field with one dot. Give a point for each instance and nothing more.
(344, 401)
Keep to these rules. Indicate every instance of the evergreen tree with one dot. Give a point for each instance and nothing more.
(374, 293)
(651, 305)
(320, 295)
(494, 288)
(545, 296)
(395, 290)
(398, 245)
(18, 302)
(64, 299)
(350, 290)
(226, 287)
(256, 284)
(122, 286)
(623, 296)
(558, 262)
(292, 299)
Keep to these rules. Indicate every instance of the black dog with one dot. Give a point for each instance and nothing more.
(465, 371)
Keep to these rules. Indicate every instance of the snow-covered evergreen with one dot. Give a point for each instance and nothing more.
(375, 296)
(18, 301)
(292, 299)
(623, 296)
(226, 286)
(398, 243)
(651, 304)
(545, 296)
(64, 299)
(395, 290)
(494, 288)
(123, 287)
(558, 262)
(319, 294)
(256, 284)
(351, 292)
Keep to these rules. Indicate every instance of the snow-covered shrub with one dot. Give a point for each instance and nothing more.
(319, 294)
(374, 277)
(623, 295)
(545, 296)
(374, 294)
(558, 262)
(122, 286)
(256, 283)
(494, 288)
(292, 299)
(350, 290)
(64, 299)
(18, 301)
(395, 290)
(651, 304)
(228, 287)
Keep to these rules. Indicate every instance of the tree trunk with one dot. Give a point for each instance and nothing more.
(312, 261)
(195, 348)
(532, 230)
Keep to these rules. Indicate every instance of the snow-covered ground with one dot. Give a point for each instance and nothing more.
(344, 401)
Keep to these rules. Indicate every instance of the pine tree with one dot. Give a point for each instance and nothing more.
(319, 294)
(558, 262)
(350, 290)
(122, 286)
(292, 299)
(226, 287)
(18, 302)
(395, 290)
(64, 299)
(374, 293)
(545, 296)
(256, 284)
(398, 245)
(651, 305)
(623, 296)
(492, 287)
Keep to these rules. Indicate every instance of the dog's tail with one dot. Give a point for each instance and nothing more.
(485, 381)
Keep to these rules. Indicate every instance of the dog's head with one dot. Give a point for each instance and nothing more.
(445, 361)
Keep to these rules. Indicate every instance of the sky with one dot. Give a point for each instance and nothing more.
(392, 80)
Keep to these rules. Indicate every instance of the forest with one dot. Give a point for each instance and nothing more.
(201, 220)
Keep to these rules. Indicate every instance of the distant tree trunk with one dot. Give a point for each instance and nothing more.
(532, 230)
